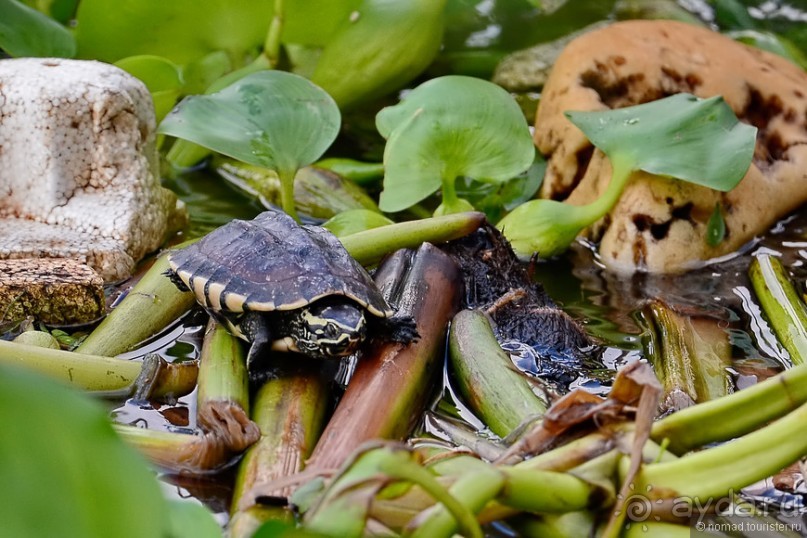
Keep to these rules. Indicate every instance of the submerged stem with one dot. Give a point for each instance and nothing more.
(782, 305)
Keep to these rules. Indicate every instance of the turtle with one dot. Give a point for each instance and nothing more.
(273, 282)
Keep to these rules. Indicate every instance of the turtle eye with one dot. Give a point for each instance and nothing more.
(331, 330)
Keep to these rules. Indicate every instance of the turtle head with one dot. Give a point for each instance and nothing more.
(330, 329)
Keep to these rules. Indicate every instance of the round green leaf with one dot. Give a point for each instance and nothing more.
(25, 31)
(180, 30)
(162, 78)
(447, 127)
(681, 136)
(66, 473)
(378, 48)
(271, 118)
(189, 519)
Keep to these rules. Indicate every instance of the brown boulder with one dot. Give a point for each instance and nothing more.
(659, 224)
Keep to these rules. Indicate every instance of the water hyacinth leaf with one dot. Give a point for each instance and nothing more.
(25, 31)
(161, 76)
(60, 10)
(272, 119)
(448, 127)
(301, 28)
(91, 485)
(187, 519)
(180, 30)
(379, 47)
(697, 140)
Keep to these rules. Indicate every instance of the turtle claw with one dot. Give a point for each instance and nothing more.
(402, 329)
(174, 278)
(256, 331)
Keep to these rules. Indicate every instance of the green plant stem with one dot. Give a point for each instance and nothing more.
(184, 154)
(733, 415)
(222, 369)
(287, 192)
(546, 491)
(569, 525)
(370, 246)
(96, 373)
(150, 307)
(785, 310)
(548, 227)
(571, 454)
(449, 180)
(289, 410)
(472, 491)
(362, 173)
(487, 379)
(182, 452)
(271, 47)
(222, 399)
(620, 173)
(715, 472)
(690, 356)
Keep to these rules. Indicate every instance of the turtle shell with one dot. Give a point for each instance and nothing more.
(272, 263)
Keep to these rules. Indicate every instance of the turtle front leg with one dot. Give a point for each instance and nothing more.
(397, 328)
(255, 328)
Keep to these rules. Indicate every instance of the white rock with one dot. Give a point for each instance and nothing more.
(79, 171)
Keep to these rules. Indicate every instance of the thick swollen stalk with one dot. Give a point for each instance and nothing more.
(487, 379)
(715, 472)
(547, 491)
(733, 415)
(569, 525)
(370, 246)
(362, 173)
(222, 399)
(690, 357)
(524, 490)
(473, 490)
(548, 227)
(96, 373)
(289, 410)
(222, 369)
(785, 310)
(343, 508)
(182, 452)
(393, 382)
(150, 306)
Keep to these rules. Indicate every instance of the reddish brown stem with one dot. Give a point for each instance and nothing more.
(393, 382)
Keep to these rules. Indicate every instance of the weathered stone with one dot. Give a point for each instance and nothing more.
(79, 171)
(659, 224)
(54, 291)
